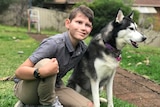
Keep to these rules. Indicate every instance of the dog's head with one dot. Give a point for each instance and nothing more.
(122, 31)
(128, 33)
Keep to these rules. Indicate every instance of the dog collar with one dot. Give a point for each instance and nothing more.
(116, 53)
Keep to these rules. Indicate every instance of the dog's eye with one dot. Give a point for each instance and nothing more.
(131, 28)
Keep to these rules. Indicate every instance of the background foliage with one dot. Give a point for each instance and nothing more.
(4, 4)
(106, 10)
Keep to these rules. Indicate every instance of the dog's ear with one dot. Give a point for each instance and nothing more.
(131, 15)
(120, 16)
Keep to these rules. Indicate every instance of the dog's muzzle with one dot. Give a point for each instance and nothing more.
(143, 39)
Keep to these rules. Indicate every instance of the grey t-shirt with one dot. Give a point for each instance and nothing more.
(59, 47)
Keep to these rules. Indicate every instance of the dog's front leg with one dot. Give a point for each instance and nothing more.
(95, 92)
(110, 90)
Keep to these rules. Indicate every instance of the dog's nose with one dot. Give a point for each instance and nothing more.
(144, 38)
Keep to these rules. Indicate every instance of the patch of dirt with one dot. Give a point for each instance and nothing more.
(37, 36)
(136, 89)
(129, 86)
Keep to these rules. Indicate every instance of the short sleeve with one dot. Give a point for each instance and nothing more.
(47, 49)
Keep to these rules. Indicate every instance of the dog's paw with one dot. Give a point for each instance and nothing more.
(103, 100)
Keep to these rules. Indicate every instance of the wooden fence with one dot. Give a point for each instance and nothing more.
(49, 19)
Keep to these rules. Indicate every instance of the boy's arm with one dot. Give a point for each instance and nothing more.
(26, 70)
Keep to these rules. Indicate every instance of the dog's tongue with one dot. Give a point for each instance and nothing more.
(134, 44)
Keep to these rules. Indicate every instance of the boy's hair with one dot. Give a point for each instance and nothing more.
(84, 10)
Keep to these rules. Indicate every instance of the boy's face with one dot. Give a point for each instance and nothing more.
(79, 27)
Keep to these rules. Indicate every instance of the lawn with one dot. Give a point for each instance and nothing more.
(16, 46)
(144, 61)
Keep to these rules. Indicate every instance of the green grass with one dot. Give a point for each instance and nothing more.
(7, 98)
(13, 43)
(16, 46)
(144, 61)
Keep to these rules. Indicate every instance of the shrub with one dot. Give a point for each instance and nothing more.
(4, 4)
(105, 11)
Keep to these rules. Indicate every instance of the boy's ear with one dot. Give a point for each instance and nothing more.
(67, 22)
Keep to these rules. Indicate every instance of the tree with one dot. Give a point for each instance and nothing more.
(39, 3)
(105, 11)
(4, 4)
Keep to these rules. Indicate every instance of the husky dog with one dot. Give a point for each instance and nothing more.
(98, 65)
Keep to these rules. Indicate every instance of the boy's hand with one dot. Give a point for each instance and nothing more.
(50, 68)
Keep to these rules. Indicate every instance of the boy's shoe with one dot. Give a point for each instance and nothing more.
(19, 104)
(57, 103)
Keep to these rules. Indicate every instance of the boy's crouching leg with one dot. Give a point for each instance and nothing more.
(46, 88)
(70, 98)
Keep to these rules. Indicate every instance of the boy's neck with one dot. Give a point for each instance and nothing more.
(74, 42)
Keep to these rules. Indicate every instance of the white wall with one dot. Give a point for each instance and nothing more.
(52, 19)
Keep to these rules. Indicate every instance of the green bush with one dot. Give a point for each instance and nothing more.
(105, 11)
(4, 4)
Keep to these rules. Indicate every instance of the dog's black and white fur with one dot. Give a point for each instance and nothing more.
(98, 65)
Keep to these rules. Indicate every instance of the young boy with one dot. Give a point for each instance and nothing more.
(42, 72)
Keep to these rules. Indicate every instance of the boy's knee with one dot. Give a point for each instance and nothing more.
(90, 104)
(42, 62)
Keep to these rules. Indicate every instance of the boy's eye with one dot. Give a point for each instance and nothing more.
(88, 25)
(79, 22)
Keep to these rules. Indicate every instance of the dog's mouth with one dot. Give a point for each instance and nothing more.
(134, 44)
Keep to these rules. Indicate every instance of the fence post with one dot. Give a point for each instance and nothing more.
(33, 17)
